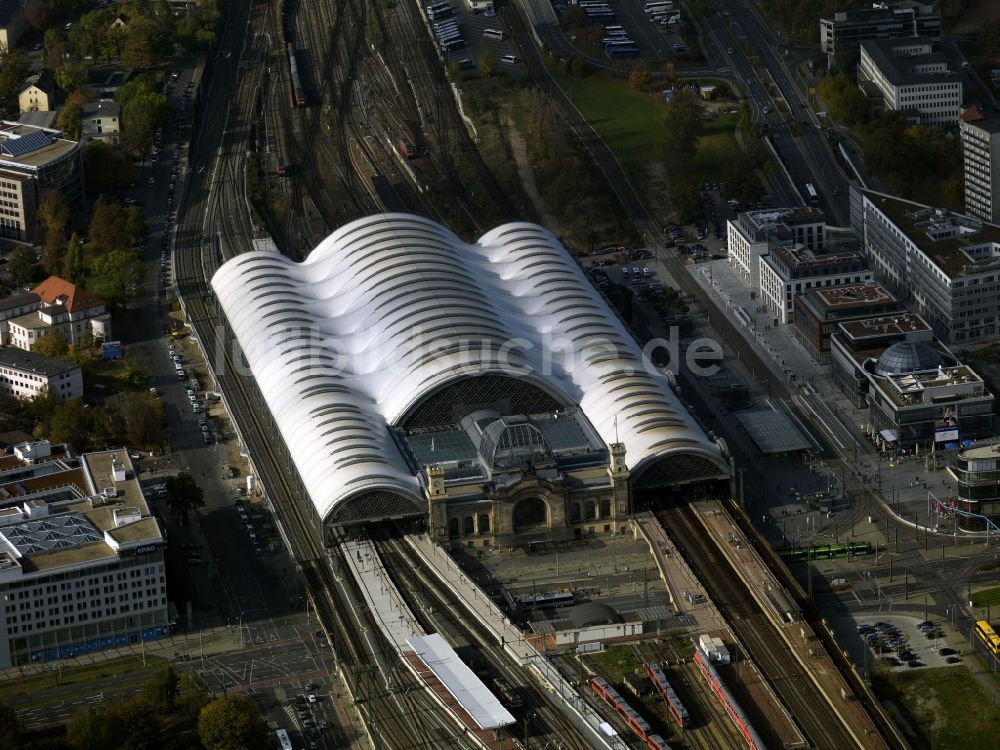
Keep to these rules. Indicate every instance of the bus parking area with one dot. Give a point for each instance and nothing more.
(635, 29)
(462, 34)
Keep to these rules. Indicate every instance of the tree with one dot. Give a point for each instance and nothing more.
(72, 260)
(685, 197)
(193, 694)
(133, 372)
(14, 68)
(70, 120)
(107, 225)
(137, 52)
(51, 343)
(117, 276)
(106, 167)
(640, 79)
(683, 126)
(183, 495)
(578, 67)
(70, 423)
(88, 730)
(144, 109)
(135, 223)
(10, 726)
(232, 723)
(161, 689)
(21, 261)
(70, 74)
(845, 102)
(53, 210)
(486, 64)
(142, 414)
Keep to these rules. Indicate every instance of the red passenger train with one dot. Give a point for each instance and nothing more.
(667, 692)
(728, 702)
(656, 742)
(637, 724)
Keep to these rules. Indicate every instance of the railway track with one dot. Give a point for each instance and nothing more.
(751, 626)
(709, 727)
(439, 610)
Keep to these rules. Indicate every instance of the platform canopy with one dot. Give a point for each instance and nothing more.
(460, 681)
(774, 431)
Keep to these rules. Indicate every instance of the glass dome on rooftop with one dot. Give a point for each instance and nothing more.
(907, 356)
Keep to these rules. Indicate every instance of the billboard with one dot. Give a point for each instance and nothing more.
(945, 424)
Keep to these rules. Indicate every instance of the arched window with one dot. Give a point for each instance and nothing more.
(529, 514)
(591, 510)
(453, 527)
(575, 513)
(605, 507)
(468, 525)
(484, 523)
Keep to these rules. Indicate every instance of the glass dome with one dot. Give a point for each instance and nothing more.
(907, 356)
(508, 445)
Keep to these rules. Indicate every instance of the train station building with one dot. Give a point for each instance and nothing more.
(486, 388)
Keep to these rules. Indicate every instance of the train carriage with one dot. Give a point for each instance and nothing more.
(668, 694)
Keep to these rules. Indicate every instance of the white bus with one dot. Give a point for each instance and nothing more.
(658, 7)
(283, 740)
(811, 193)
(494, 34)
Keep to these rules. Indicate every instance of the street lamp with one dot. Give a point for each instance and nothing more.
(527, 718)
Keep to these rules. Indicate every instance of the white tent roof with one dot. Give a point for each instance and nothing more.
(460, 681)
(383, 312)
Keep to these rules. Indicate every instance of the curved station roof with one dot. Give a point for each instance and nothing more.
(390, 309)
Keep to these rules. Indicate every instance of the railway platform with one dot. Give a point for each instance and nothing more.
(797, 634)
(512, 640)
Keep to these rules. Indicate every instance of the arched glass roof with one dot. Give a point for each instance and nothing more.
(389, 309)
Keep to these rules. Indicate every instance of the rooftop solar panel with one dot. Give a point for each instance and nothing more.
(24, 144)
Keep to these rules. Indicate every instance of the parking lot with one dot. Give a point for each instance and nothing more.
(902, 642)
(649, 31)
(471, 25)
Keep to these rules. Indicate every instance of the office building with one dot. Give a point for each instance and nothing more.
(907, 75)
(819, 311)
(26, 375)
(793, 269)
(81, 557)
(31, 160)
(976, 469)
(981, 160)
(841, 36)
(945, 265)
(919, 396)
(752, 233)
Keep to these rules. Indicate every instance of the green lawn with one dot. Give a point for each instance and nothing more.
(616, 661)
(946, 708)
(631, 123)
(986, 597)
(78, 675)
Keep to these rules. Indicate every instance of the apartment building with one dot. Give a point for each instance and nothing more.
(977, 472)
(752, 233)
(907, 75)
(102, 121)
(981, 160)
(841, 36)
(81, 556)
(26, 375)
(38, 94)
(819, 311)
(794, 269)
(946, 265)
(919, 396)
(67, 308)
(32, 159)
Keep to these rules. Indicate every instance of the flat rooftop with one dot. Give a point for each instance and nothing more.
(798, 257)
(25, 361)
(886, 325)
(904, 69)
(958, 245)
(850, 296)
(28, 146)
